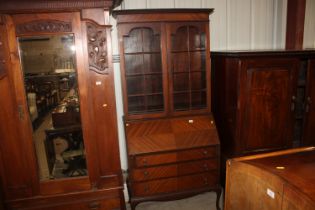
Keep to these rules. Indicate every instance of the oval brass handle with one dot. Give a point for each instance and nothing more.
(205, 152)
(95, 205)
(144, 161)
(146, 173)
(308, 103)
(293, 100)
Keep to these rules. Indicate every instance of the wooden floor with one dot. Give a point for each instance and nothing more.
(204, 201)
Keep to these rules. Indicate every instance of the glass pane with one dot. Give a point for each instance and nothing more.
(179, 39)
(48, 64)
(142, 40)
(133, 42)
(180, 81)
(154, 84)
(198, 80)
(136, 104)
(135, 85)
(134, 64)
(181, 101)
(151, 42)
(197, 40)
(198, 61)
(155, 103)
(180, 62)
(152, 63)
(198, 100)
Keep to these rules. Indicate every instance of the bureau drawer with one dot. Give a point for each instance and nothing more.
(173, 170)
(175, 184)
(173, 157)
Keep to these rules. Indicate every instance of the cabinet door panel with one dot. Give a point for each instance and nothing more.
(188, 67)
(14, 150)
(266, 109)
(142, 70)
(308, 138)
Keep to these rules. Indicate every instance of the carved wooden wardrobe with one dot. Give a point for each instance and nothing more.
(75, 163)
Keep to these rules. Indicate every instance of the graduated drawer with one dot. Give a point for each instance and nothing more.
(176, 184)
(173, 170)
(174, 157)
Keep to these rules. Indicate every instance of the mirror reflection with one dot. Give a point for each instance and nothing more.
(48, 64)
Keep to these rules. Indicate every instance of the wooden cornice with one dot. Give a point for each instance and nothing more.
(24, 6)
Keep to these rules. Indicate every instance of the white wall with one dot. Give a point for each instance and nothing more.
(309, 27)
(235, 24)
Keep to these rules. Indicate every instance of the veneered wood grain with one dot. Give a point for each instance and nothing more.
(287, 174)
(170, 134)
(173, 170)
(175, 184)
(152, 159)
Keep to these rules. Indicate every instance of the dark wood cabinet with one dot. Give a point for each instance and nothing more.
(172, 142)
(279, 180)
(262, 100)
(82, 165)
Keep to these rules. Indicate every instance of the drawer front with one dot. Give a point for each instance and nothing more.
(174, 157)
(108, 204)
(175, 184)
(173, 170)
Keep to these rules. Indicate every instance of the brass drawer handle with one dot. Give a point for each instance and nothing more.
(94, 205)
(145, 162)
(205, 152)
(145, 173)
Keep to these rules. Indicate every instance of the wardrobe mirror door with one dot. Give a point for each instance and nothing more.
(50, 79)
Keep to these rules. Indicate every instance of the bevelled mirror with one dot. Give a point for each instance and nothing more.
(50, 79)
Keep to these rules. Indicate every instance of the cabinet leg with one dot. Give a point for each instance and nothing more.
(218, 191)
(133, 205)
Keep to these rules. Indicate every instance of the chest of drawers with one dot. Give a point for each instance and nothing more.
(172, 158)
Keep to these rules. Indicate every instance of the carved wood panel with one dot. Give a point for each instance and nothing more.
(47, 26)
(97, 48)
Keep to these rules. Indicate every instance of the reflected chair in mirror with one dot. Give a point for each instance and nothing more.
(65, 152)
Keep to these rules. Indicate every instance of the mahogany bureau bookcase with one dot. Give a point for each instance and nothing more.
(263, 100)
(172, 142)
(58, 39)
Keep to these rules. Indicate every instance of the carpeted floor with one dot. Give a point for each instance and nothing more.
(205, 201)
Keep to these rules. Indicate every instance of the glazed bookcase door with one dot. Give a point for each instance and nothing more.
(188, 50)
(143, 71)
